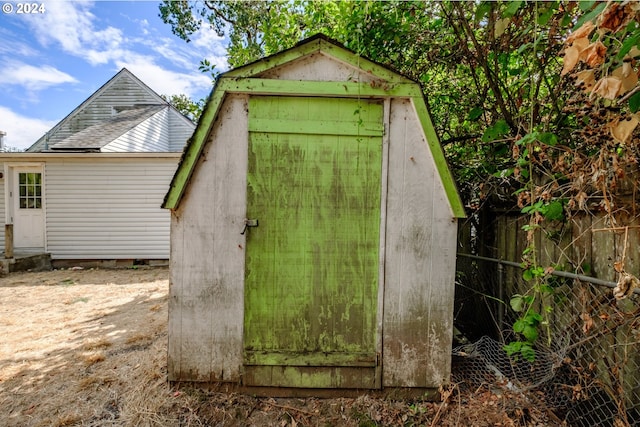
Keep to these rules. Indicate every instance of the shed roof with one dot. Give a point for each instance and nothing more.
(97, 136)
(380, 81)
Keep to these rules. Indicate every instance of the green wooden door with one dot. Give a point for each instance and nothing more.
(311, 279)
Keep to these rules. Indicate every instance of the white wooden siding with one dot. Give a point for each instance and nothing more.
(206, 299)
(108, 208)
(2, 209)
(318, 67)
(420, 260)
(124, 90)
(152, 135)
(180, 130)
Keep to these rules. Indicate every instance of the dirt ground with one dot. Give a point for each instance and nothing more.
(88, 348)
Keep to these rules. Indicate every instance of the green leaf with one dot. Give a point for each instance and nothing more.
(528, 352)
(554, 211)
(530, 137)
(634, 102)
(519, 326)
(498, 130)
(533, 318)
(628, 44)
(524, 47)
(517, 303)
(548, 138)
(545, 15)
(586, 5)
(590, 16)
(513, 348)
(527, 274)
(530, 333)
(505, 173)
(482, 10)
(511, 9)
(475, 113)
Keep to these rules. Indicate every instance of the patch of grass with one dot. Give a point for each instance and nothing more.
(138, 338)
(67, 282)
(96, 344)
(93, 358)
(94, 380)
(67, 420)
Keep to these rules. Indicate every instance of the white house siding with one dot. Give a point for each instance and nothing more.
(152, 135)
(2, 210)
(180, 130)
(123, 91)
(108, 208)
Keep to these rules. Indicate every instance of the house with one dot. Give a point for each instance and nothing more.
(313, 231)
(91, 188)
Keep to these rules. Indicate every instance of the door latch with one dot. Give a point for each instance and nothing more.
(249, 223)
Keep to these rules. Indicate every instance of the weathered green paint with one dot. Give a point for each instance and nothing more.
(448, 182)
(247, 80)
(311, 283)
(310, 359)
(338, 377)
(315, 88)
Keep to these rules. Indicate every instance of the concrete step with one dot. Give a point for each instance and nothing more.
(25, 262)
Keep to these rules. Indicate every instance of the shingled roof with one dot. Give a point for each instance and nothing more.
(99, 135)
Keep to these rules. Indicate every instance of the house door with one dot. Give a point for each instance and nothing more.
(311, 278)
(28, 212)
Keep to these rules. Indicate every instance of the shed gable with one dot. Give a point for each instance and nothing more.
(315, 67)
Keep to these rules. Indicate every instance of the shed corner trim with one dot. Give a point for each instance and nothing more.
(448, 182)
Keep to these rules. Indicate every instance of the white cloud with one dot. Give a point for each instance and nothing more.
(211, 46)
(164, 81)
(31, 77)
(22, 131)
(71, 25)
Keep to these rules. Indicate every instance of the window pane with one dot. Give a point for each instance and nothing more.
(22, 178)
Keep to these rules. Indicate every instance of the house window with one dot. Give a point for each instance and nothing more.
(30, 186)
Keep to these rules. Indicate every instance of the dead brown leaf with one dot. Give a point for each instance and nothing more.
(608, 87)
(594, 54)
(627, 76)
(584, 31)
(586, 80)
(588, 322)
(614, 17)
(571, 58)
(621, 130)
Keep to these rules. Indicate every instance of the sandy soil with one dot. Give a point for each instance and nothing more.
(88, 347)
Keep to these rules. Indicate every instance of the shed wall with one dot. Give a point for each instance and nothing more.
(420, 260)
(206, 296)
(318, 67)
(107, 208)
(207, 259)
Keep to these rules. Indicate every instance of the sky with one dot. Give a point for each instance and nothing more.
(53, 60)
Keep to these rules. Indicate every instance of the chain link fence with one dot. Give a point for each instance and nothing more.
(586, 370)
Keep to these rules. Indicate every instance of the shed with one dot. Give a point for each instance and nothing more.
(313, 230)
